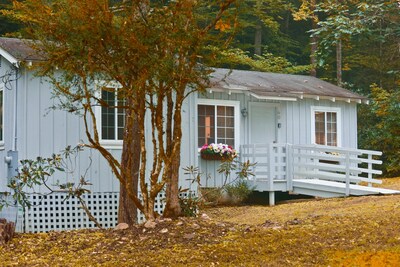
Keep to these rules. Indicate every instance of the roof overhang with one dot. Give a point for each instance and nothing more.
(9, 57)
(289, 97)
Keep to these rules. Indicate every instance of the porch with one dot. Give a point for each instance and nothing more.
(322, 171)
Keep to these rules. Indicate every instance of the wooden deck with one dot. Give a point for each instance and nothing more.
(313, 170)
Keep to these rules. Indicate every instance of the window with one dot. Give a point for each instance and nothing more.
(218, 122)
(112, 118)
(326, 126)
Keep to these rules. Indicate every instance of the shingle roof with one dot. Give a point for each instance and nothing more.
(259, 84)
(20, 49)
(264, 85)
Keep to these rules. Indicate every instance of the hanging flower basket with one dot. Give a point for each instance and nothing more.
(221, 152)
(211, 156)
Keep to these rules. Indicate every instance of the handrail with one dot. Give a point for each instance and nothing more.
(287, 162)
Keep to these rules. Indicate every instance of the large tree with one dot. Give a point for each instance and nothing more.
(147, 53)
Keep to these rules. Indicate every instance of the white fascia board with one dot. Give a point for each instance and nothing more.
(334, 99)
(235, 87)
(9, 57)
(274, 97)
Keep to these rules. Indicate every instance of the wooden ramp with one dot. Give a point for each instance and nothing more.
(323, 188)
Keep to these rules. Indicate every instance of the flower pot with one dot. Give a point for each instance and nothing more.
(212, 156)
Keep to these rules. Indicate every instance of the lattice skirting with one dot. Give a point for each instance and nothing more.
(52, 213)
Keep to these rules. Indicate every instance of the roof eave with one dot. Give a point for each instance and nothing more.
(289, 98)
(10, 58)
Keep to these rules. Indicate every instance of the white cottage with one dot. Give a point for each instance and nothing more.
(301, 131)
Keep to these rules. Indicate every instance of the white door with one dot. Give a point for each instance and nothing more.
(263, 125)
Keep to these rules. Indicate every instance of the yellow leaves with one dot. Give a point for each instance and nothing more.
(305, 12)
(346, 67)
(325, 234)
(222, 26)
(381, 97)
(360, 258)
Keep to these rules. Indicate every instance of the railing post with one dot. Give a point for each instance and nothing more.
(289, 167)
(271, 160)
(347, 173)
(369, 169)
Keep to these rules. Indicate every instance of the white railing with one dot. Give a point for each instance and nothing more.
(285, 162)
(347, 165)
(270, 161)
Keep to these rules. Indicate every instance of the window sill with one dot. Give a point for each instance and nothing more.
(112, 144)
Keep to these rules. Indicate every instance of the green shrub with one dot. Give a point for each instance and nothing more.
(239, 191)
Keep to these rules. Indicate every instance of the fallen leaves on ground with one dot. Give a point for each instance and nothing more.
(355, 231)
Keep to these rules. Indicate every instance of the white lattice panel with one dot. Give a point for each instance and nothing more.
(53, 214)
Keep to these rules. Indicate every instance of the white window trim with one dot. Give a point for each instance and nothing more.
(217, 102)
(338, 111)
(107, 144)
(3, 117)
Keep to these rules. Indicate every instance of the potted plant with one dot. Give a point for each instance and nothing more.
(220, 151)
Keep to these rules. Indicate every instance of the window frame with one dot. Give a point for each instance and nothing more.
(2, 117)
(324, 109)
(226, 103)
(107, 143)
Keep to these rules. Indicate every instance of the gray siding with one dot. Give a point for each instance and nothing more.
(42, 132)
(8, 110)
(298, 121)
(295, 119)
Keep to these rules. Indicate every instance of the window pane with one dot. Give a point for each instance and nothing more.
(230, 122)
(220, 134)
(230, 133)
(206, 121)
(221, 111)
(332, 137)
(320, 128)
(230, 142)
(221, 121)
(230, 111)
(326, 128)
(225, 133)
(121, 118)
(108, 116)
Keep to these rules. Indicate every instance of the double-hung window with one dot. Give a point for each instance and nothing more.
(112, 115)
(326, 126)
(218, 122)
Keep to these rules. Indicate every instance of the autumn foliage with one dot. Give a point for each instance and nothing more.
(153, 53)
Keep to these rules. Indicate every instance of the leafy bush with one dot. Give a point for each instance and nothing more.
(239, 191)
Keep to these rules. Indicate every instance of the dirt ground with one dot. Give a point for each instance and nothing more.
(354, 231)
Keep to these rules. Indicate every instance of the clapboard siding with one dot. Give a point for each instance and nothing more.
(295, 120)
(43, 132)
(7, 123)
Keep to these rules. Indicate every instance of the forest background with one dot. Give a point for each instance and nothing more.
(355, 44)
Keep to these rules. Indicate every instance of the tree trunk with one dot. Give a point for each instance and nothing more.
(172, 206)
(314, 43)
(339, 62)
(258, 39)
(130, 163)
